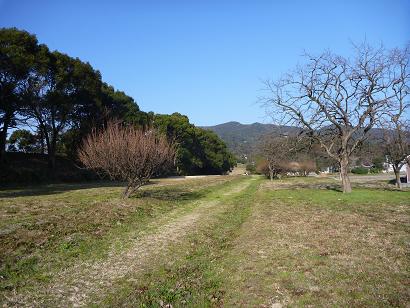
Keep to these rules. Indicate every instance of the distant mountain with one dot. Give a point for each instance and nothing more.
(242, 139)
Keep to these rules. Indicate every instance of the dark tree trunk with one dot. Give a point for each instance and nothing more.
(131, 188)
(3, 135)
(344, 175)
(397, 175)
(52, 153)
(42, 145)
(52, 159)
(126, 193)
(51, 147)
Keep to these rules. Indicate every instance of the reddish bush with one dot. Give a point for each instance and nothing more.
(127, 154)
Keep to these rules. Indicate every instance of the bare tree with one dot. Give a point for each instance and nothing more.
(306, 166)
(396, 124)
(276, 150)
(397, 147)
(127, 153)
(335, 99)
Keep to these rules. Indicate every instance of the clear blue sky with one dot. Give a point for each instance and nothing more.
(205, 59)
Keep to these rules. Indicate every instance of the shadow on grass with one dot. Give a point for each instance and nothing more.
(336, 188)
(51, 189)
(160, 193)
(168, 194)
(403, 179)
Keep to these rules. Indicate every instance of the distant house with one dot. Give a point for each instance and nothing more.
(389, 168)
(407, 177)
(329, 169)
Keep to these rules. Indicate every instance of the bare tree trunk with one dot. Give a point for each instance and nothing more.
(126, 192)
(344, 170)
(131, 187)
(270, 173)
(397, 175)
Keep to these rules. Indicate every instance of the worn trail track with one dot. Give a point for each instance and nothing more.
(75, 286)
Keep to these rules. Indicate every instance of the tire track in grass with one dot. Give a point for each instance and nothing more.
(76, 285)
(193, 277)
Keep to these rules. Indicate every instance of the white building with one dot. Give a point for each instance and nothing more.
(389, 168)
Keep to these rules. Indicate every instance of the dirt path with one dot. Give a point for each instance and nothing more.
(75, 286)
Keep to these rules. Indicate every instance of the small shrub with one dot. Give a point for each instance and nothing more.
(360, 170)
(251, 168)
(375, 170)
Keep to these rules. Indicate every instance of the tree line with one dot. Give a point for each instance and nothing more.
(49, 102)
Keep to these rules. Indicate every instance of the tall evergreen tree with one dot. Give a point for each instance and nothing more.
(18, 52)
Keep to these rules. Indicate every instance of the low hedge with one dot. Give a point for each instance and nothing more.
(360, 170)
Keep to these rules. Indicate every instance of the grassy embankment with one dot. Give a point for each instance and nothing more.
(46, 228)
(245, 241)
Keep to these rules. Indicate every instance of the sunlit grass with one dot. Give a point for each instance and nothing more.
(293, 242)
(49, 227)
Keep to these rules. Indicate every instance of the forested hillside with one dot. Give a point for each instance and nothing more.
(242, 139)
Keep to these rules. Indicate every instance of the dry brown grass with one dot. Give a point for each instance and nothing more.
(50, 227)
(246, 242)
(305, 247)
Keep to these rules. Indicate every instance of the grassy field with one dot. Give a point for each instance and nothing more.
(212, 241)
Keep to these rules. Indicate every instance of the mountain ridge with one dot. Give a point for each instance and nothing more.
(242, 139)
